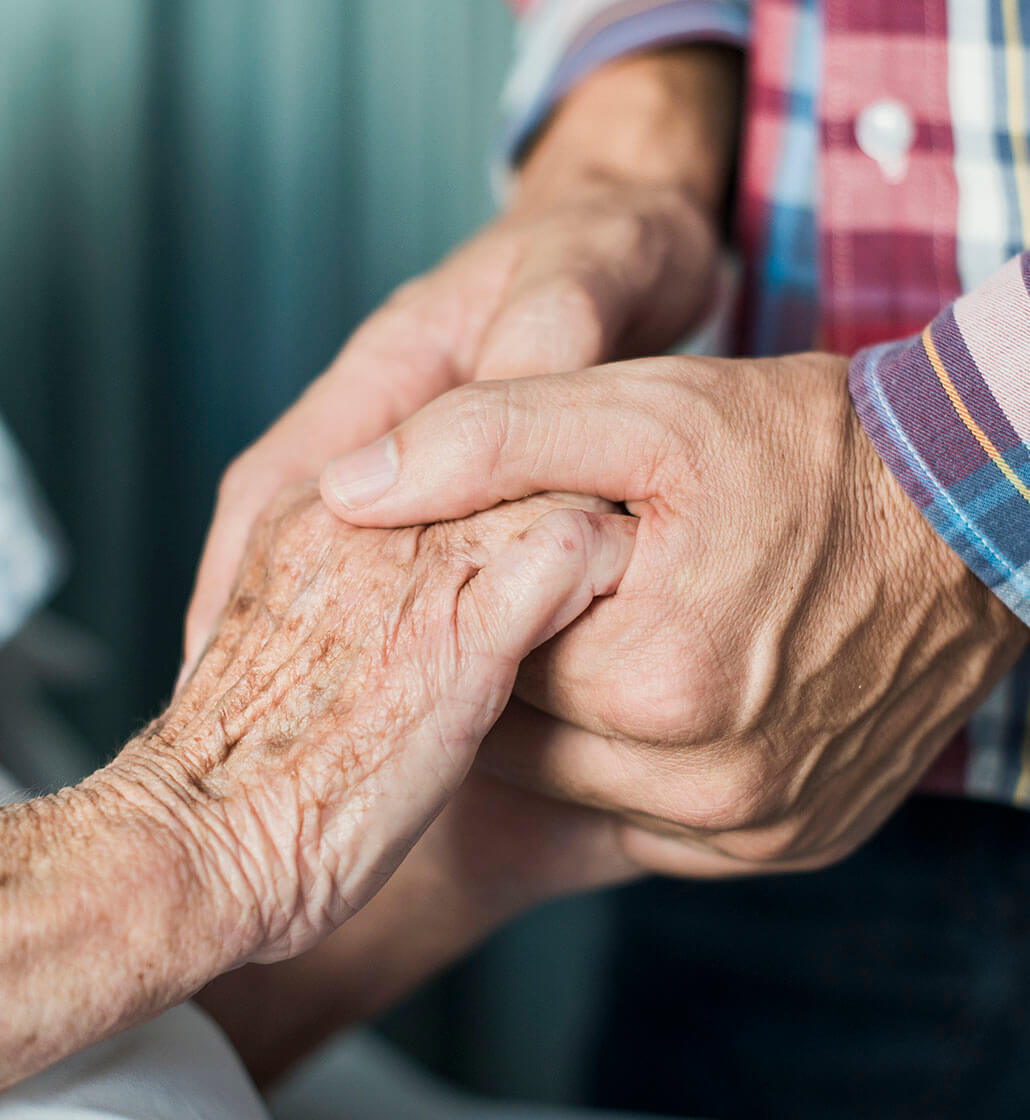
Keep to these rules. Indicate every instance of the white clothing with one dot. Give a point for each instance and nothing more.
(180, 1066)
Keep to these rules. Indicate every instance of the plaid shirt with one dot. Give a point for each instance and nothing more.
(885, 172)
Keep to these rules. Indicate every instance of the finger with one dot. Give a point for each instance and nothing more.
(534, 846)
(622, 274)
(547, 755)
(223, 551)
(499, 441)
(536, 752)
(544, 579)
(551, 322)
(701, 857)
(540, 582)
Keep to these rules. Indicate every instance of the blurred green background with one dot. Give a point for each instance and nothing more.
(199, 199)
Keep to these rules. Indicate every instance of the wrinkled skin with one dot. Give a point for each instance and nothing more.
(344, 695)
(608, 269)
(494, 851)
(336, 710)
(792, 646)
(608, 248)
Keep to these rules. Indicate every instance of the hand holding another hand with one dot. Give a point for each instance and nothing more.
(347, 690)
(602, 270)
(338, 707)
(792, 645)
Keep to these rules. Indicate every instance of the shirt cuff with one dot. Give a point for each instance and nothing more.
(561, 41)
(949, 412)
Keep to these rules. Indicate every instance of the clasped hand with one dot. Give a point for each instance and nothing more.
(343, 697)
(336, 709)
(792, 645)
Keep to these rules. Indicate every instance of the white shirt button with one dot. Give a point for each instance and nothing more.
(885, 131)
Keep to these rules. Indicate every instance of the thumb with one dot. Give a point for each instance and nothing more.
(496, 441)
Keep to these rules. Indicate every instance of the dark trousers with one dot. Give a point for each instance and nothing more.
(896, 984)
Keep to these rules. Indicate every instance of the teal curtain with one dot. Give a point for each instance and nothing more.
(199, 199)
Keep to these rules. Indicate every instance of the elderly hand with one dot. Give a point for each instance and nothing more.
(495, 851)
(792, 644)
(337, 708)
(345, 694)
(608, 250)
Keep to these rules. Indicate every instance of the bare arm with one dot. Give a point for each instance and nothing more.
(664, 118)
(337, 710)
(103, 922)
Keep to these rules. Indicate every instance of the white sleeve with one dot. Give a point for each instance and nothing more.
(178, 1067)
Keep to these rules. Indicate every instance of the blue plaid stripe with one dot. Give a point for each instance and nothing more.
(784, 304)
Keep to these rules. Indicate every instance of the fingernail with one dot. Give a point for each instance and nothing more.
(363, 476)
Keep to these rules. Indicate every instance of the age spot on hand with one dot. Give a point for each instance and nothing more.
(243, 605)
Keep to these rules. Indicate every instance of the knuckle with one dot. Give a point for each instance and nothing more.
(726, 796)
(565, 532)
(480, 415)
(436, 549)
(675, 688)
(574, 306)
(407, 293)
(633, 235)
(575, 302)
(257, 480)
(658, 705)
(235, 479)
(553, 324)
(770, 845)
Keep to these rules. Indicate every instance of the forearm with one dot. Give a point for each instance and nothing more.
(666, 119)
(102, 923)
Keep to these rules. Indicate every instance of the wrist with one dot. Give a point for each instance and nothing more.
(103, 923)
(892, 525)
(664, 119)
(156, 808)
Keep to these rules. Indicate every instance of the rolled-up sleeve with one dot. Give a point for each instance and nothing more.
(561, 41)
(949, 412)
